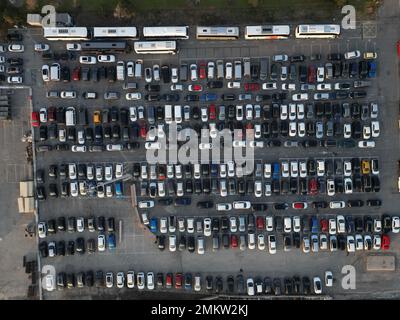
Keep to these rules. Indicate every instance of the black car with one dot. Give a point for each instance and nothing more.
(182, 243)
(274, 72)
(111, 74)
(99, 279)
(65, 74)
(61, 248)
(192, 97)
(374, 203)
(281, 206)
(298, 58)
(277, 284)
(61, 223)
(61, 280)
(259, 206)
(53, 190)
(169, 97)
(230, 281)
(219, 285)
(335, 56)
(215, 84)
(43, 133)
(209, 283)
(306, 285)
(355, 203)
(205, 204)
(228, 97)
(15, 61)
(152, 87)
(191, 244)
(161, 242)
(80, 245)
(166, 74)
(43, 249)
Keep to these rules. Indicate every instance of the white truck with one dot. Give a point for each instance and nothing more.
(120, 71)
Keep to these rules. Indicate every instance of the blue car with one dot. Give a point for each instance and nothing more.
(314, 225)
(153, 225)
(111, 241)
(371, 69)
(276, 171)
(118, 189)
(208, 97)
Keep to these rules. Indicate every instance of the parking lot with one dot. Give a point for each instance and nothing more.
(136, 247)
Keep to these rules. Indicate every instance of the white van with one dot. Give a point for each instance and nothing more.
(178, 114)
(238, 70)
(138, 68)
(168, 114)
(70, 117)
(120, 70)
(55, 72)
(246, 71)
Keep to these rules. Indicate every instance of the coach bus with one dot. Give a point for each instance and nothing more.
(267, 32)
(155, 47)
(76, 33)
(166, 32)
(318, 31)
(115, 32)
(102, 46)
(217, 33)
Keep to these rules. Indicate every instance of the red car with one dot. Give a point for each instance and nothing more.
(35, 119)
(51, 114)
(311, 74)
(385, 242)
(299, 205)
(312, 187)
(76, 74)
(234, 241)
(324, 225)
(398, 48)
(212, 115)
(251, 86)
(202, 70)
(168, 281)
(178, 280)
(143, 131)
(195, 87)
(260, 223)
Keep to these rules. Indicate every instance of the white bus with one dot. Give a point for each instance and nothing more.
(78, 33)
(267, 32)
(155, 47)
(217, 33)
(317, 31)
(115, 32)
(166, 32)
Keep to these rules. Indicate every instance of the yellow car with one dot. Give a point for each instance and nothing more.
(97, 117)
(365, 167)
(370, 55)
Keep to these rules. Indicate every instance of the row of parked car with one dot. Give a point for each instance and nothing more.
(269, 243)
(75, 224)
(238, 285)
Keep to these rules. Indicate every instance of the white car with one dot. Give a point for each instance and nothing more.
(337, 204)
(68, 94)
(107, 58)
(366, 144)
(324, 86)
(228, 71)
(80, 224)
(257, 189)
(77, 148)
(87, 60)
(280, 58)
(285, 169)
(133, 96)
(350, 244)
(176, 87)
(146, 204)
(130, 279)
(43, 115)
(271, 244)
(140, 280)
(296, 224)
(156, 72)
(148, 75)
(366, 132)
(306, 244)
(375, 129)
(49, 282)
(269, 223)
(352, 55)
(288, 86)
(224, 206)
(292, 111)
(348, 185)
(172, 243)
(284, 112)
(317, 285)
(14, 80)
(241, 205)
(120, 280)
(114, 147)
(233, 224)
(193, 72)
(359, 242)
(332, 226)
(321, 96)
(300, 97)
(328, 279)
(45, 73)
(233, 85)
(152, 145)
(301, 129)
(341, 225)
(16, 48)
(260, 242)
(395, 224)
(74, 47)
(197, 283)
(101, 242)
(207, 227)
(294, 169)
(269, 86)
(320, 74)
(347, 168)
(287, 224)
(41, 47)
(251, 240)
(130, 68)
(323, 241)
(377, 243)
(347, 130)
(174, 75)
(330, 187)
(42, 230)
(250, 287)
